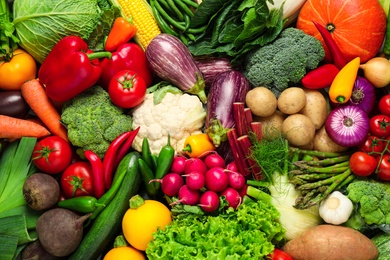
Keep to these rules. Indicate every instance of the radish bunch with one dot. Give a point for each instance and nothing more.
(196, 181)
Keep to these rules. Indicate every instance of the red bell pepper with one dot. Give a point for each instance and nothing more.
(320, 77)
(128, 56)
(70, 68)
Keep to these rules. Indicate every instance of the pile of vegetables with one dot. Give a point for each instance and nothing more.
(179, 129)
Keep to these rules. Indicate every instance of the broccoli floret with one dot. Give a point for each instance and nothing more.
(283, 62)
(372, 203)
(93, 121)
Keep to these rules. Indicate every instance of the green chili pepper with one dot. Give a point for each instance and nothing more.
(146, 153)
(164, 161)
(147, 176)
(82, 204)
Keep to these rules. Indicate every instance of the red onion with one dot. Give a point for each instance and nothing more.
(363, 95)
(347, 125)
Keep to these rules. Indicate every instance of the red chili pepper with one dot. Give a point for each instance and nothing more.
(109, 158)
(320, 77)
(97, 172)
(129, 56)
(337, 56)
(121, 32)
(70, 68)
(124, 149)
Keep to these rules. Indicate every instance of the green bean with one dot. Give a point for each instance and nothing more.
(184, 8)
(176, 10)
(164, 26)
(191, 3)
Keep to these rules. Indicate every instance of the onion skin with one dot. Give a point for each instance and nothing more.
(363, 95)
(170, 60)
(347, 125)
(377, 71)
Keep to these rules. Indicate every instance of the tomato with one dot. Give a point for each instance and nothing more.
(380, 125)
(20, 68)
(373, 145)
(362, 164)
(76, 180)
(127, 89)
(52, 154)
(280, 255)
(384, 168)
(384, 105)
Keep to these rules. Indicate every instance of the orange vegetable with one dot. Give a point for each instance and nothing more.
(17, 69)
(142, 219)
(122, 251)
(198, 145)
(121, 32)
(35, 95)
(340, 90)
(15, 128)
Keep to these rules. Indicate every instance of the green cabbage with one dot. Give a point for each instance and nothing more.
(40, 24)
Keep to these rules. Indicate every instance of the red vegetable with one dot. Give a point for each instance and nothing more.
(70, 68)
(380, 125)
(97, 172)
(124, 149)
(232, 196)
(187, 196)
(338, 57)
(171, 184)
(121, 32)
(321, 77)
(279, 254)
(383, 170)
(209, 201)
(373, 145)
(52, 154)
(127, 89)
(129, 56)
(195, 180)
(362, 164)
(363, 95)
(384, 104)
(216, 179)
(76, 180)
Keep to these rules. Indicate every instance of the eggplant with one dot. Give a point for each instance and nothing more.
(171, 60)
(13, 104)
(211, 67)
(228, 87)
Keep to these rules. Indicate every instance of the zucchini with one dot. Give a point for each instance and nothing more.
(382, 242)
(108, 224)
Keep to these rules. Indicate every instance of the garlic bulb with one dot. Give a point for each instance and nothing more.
(336, 209)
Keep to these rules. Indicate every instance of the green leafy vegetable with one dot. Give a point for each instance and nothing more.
(251, 232)
(8, 41)
(234, 27)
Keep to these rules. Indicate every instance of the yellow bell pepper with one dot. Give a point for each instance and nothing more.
(198, 145)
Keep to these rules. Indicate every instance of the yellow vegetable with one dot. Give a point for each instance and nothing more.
(122, 251)
(143, 19)
(142, 219)
(340, 90)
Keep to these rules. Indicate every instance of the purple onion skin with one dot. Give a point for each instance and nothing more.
(347, 125)
(228, 87)
(171, 60)
(363, 95)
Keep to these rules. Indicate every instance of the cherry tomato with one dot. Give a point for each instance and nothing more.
(127, 89)
(384, 168)
(384, 105)
(52, 154)
(280, 255)
(373, 145)
(14, 72)
(76, 180)
(362, 164)
(380, 125)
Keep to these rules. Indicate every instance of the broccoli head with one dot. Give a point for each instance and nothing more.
(283, 62)
(93, 121)
(372, 204)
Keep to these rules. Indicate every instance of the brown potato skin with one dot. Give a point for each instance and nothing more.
(292, 100)
(315, 108)
(299, 129)
(329, 242)
(323, 143)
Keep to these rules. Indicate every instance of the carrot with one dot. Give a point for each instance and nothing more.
(15, 128)
(35, 95)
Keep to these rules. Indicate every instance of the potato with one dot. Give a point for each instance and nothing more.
(299, 130)
(261, 101)
(329, 242)
(323, 143)
(271, 126)
(291, 100)
(315, 108)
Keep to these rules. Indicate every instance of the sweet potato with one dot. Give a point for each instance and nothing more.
(329, 242)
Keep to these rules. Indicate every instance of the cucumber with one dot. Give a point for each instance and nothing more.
(108, 224)
(382, 242)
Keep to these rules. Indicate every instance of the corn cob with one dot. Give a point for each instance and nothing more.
(143, 19)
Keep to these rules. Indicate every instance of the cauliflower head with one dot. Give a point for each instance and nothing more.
(179, 115)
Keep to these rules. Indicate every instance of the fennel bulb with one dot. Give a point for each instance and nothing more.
(291, 8)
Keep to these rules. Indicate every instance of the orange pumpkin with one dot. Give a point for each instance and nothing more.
(357, 26)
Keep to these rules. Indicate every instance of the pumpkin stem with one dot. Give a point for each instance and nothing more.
(136, 201)
(330, 27)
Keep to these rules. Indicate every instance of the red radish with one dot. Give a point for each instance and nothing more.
(187, 196)
(243, 190)
(178, 164)
(195, 180)
(232, 196)
(194, 164)
(170, 183)
(232, 167)
(216, 179)
(209, 201)
(236, 179)
(214, 160)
